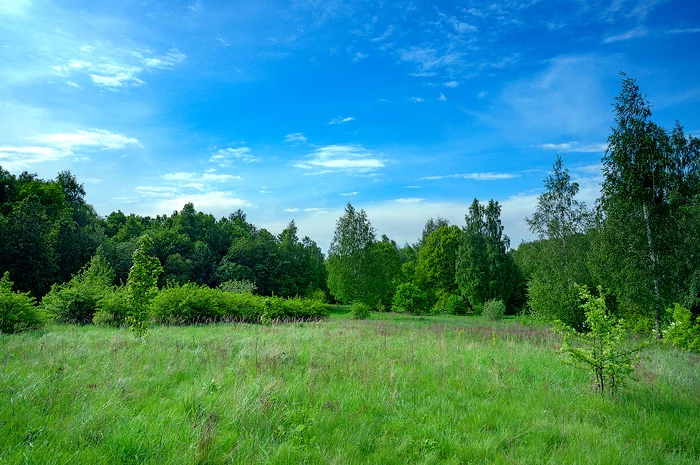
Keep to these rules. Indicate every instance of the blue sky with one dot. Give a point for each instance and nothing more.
(289, 110)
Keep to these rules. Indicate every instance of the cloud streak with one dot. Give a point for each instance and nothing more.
(349, 159)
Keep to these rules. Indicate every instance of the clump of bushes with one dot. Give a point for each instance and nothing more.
(77, 300)
(451, 304)
(684, 330)
(494, 309)
(113, 308)
(359, 311)
(18, 311)
(409, 298)
(190, 303)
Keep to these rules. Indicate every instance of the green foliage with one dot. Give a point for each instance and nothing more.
(435, 267)
(113, 308)
(484, 270)
(354, 271)
(187, 304)
(684, 330)
(451, 304)
(360, 311)
(602, 349)
(558, 259)
(410, 298)
(494, 309)
(142, 285)
(18, 311)
(192, 304)
(77, 300)
(239, 287)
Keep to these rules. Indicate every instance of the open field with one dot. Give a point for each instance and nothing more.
(394, 389)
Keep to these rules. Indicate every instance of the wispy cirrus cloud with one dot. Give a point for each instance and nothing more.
(408, 200)
(97, 138)
(635, 33)
(115, 68)
(295, 138)
(474, 176)
(197, 177)
(442, 97)
(348, 194)
(349, 159)
(228, 156)
(574, 146)
(417, 99)
(694, 30)
(341, 120)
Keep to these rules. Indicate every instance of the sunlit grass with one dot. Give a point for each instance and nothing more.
(393, 389)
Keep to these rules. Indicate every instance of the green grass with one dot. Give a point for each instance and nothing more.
(393, 389)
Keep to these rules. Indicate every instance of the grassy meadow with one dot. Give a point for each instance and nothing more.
(393, 389)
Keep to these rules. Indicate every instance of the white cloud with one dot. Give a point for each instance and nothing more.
(173, 57)
(98, 138)
(341, 120)
(481, 94)
(347, 194)
(574, 146)
(442, 97)
(17, 158)
(291, 210)
(196, 177)
(631, 34)
(475, 176)
(417, 99)
(695, 30)
(217, 201)
(116, 68)
(385, 35)
(222, 42)
(411, 187)
(409, 200)
(340, 158)
(295, 137)
(358, 57)
(451, 84)
(316, 210)
(226, 157)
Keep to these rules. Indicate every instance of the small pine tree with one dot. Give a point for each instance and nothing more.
(142, 286)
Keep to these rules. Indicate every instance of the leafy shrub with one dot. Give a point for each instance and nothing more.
(113, 308)
(600, 350)
(451, 304)
(142, 286)
(409, 298)
(18, 311)
(77, 300)
(190, 303)
(683, 332)
(554, 301)
(318, 295)
(494, 309)
(187, 304)
(359, 311)
(240, 286)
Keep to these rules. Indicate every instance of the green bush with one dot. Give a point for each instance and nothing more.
(18, 311)
(113, 308)
(187, 304)
(359, 311)
(451, 304)
(77, 300)
(683, 332)
(494, 309)
(602, 349)
(240, 286)
(409, 298)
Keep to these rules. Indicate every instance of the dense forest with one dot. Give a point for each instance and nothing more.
(638, 242)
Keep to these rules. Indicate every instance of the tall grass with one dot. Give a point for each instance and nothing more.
(394, 389)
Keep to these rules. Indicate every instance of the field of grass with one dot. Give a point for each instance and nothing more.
(393, 389)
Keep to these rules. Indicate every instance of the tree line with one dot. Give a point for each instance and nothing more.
(638, 242)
